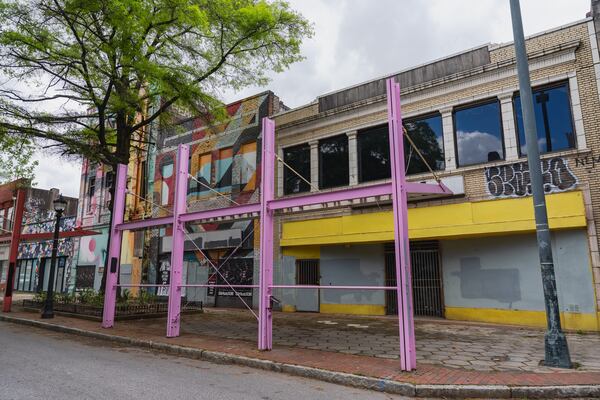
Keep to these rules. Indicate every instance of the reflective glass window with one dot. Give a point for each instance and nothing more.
(333, 162)
(298, 158)
(553, 119)
(478, 134)
(427, 135)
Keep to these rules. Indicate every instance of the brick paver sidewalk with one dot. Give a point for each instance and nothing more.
(338, 361)
(481, 347)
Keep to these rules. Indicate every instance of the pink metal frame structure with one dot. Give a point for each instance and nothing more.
(398, 189)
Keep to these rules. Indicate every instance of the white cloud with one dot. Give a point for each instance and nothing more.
(358, 40)
(476, 147)
(55, 172)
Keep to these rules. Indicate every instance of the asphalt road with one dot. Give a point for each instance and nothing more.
(38, 364)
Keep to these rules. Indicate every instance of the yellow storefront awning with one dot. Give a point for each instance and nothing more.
(468, 219)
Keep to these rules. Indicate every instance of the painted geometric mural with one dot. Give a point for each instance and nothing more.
(225, 164)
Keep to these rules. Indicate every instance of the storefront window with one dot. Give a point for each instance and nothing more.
(373, 154)
(298, 158)
(478, 134)
(553, 119)
(333, 162)
(427, 135)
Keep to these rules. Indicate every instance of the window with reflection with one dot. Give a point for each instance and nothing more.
(478, 131)
(333, 162)
(373, 154)
(553, 119)
(427, 134)
(298, 158)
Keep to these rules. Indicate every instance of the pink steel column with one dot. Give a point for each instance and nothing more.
(267, 193)
(114, 252)
(403, 272)
(179, 207)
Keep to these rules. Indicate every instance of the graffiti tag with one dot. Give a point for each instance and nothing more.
(588, 161)
(513, 180)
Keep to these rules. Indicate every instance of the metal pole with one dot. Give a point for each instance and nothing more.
(406, 328)
(48, 311)
(114, 250)
(177, 250)
(557, 350)
(267, 194)
(19, 205)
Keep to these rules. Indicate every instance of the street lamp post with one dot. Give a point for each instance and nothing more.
(60, 205)
(556, 348)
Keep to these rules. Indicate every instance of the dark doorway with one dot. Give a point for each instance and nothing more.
(426, 279)
(236, 271)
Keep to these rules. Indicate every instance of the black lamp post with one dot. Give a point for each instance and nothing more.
(60, 205)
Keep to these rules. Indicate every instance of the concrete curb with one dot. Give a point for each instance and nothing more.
(358, 381)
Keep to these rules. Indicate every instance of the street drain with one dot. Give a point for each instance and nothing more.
(500, 358)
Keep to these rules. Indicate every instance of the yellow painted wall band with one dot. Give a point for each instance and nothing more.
(469, 219)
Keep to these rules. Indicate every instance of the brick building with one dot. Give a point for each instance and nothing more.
(474, 255)
(35, 238)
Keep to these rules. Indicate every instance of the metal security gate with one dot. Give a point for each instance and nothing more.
(307, 273)
(426, 279)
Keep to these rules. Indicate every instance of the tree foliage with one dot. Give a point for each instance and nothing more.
(16, 159)
(90, 76)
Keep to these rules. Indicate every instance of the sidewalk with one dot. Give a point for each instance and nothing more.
(373, 372)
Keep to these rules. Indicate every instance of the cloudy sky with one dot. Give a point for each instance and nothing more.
(357, 40)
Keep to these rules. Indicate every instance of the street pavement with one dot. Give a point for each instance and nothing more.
(38, 364)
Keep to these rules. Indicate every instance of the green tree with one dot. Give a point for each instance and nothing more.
(96, 73)
(16, 159)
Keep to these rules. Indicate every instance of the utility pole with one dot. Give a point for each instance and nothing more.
(556, 348)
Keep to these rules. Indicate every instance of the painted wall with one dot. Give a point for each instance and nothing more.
(92, 251)
(339, 265)
(503, 273)
(352, 265)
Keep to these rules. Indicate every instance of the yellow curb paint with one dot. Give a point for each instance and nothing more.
(288, 308)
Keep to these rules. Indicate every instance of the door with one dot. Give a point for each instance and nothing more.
(307, 273)
(426, 279)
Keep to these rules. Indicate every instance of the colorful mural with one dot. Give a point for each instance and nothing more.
(223, 159)
(66, 224)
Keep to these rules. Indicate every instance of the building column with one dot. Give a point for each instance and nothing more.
(577, 113)
(448, 132)
(280, 172)
(314, 165)
(353, 157)
(508, 124)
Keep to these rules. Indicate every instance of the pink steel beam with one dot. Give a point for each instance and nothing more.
(179, 207)
(267, 194)
(145, 223)
(380, 189)
(399, 196)
(222, 286)
(222, 212)
(334, 287)
(426, 188)
(114, 252)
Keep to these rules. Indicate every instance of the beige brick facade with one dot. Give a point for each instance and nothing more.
(562, 54)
